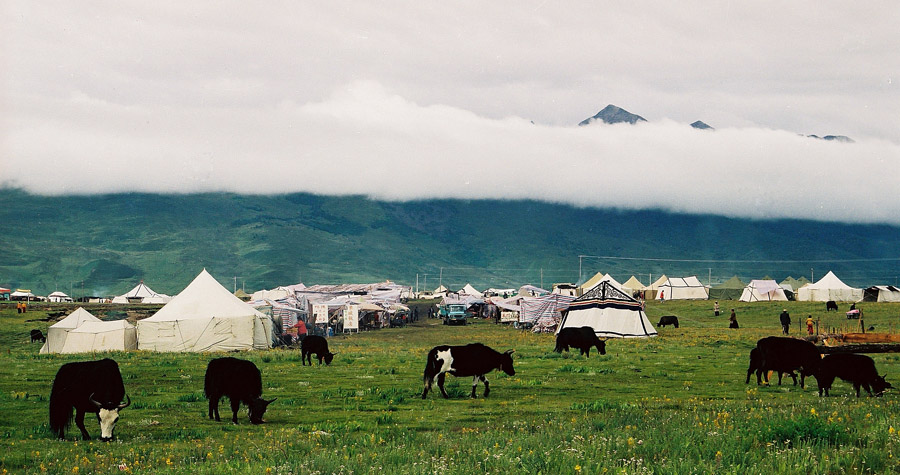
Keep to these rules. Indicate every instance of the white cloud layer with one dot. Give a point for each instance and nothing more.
(416, 100)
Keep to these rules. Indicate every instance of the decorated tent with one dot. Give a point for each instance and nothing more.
(651, 290)
(88, 337)
(731, 289)
(829, 288)
(59, 331)
(610, 312)
(591, 282)
(205, 316)
(882, 293)
(763, 291)
(682, 288)
(632, 285)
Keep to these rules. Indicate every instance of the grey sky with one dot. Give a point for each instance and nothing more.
(405, 100)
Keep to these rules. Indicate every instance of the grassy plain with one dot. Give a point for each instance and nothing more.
(676, 403)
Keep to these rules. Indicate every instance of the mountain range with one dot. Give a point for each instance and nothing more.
(105, 244)
(616, 115)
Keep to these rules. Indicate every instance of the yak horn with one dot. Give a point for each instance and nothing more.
(91, 398)
(127, 403)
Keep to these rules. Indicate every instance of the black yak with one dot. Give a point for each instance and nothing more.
(474, 359)
(756, 365)
(318, 345)
(37, 335)
(89, 386)
(857, 369)
(582, 338)
(786, 355)
(240, 381)
(831, 305)
(668, 320)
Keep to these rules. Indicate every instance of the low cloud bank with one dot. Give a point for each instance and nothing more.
(365, 140)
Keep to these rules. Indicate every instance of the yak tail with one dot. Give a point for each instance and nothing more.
(431, 366)
(60, 415)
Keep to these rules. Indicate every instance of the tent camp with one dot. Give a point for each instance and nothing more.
(682, 288)
(59, 331)
(89, 337)
(793, 284)
(829, 288)
(731, 289)
(205, 316)
(763, 291)
(651, 290)
(882, 293)
(632, 285)
(610, 312)
(141, 293)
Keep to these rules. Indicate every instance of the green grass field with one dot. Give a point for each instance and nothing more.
(675, 404)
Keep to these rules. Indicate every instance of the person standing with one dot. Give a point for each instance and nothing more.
(732, 320)
(809, 325)
(716, 308)
(662, 296)
(785, 321)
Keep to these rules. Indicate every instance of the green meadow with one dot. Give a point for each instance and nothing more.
(676, 403)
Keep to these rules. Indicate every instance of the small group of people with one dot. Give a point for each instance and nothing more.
(785, 319)
(732, 320)
(21, 307)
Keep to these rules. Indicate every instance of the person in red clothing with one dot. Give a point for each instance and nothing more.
(301, 329)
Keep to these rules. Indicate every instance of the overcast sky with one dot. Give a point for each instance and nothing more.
(409, 100)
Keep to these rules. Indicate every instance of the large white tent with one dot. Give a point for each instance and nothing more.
(90, 336)
(763, 291)
(829, 288)
(652, 289)
(205, 316)
(59, 331)
(469, 290)
(610, 312)
(682, 288)
(58, 297)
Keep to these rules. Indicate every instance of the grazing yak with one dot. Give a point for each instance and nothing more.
(582, 338)
(857, 369)
(241, 382)
(318, 345)
(831, 305)
(38, 335)
(89, 386)
(668, 320)
(786, 355)
(756, 365)
(474, 359)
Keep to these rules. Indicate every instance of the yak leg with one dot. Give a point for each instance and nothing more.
(79, 421)
(428, 382)
(794, 377)
(214, 408)
(303, 355)
(487, 387)
(475, 380)
(235, 405)
(441, 377)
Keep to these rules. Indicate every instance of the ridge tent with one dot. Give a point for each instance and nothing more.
(59, 331)
(683, 288)
(882, 293)
(118, 335)
(651, 290)
(632, 285)
(205, 316)
(731, 289)
(763, 291)
(610, 312)
(829, 288)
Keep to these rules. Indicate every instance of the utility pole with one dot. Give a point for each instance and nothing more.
(417, 283)
(542, 277)
(441, 278)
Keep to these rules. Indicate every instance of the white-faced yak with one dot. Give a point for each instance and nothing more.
(89, 386)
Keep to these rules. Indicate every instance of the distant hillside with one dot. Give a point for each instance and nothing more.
(108, 243)
(613, 115)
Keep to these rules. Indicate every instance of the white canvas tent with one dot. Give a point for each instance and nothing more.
(610, 312)
(882, 293)
(59, 297)
(763, 291)
(141, 293)
(651, 290)
(590, 283)
(59, 331)
(632, 285)
(682, 288)
(469, 290)
(829, 288)
(205, 316)
(90, 336)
